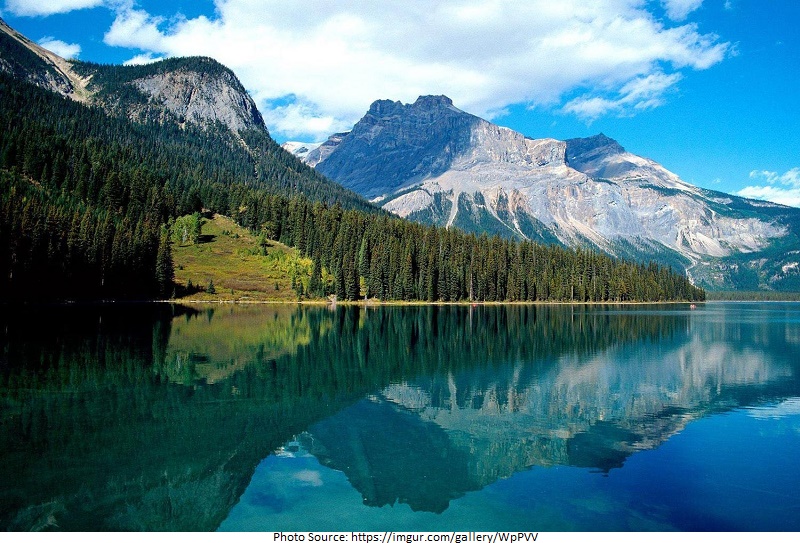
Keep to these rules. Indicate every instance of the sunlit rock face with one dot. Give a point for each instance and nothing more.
(396, 145)
(196, 91)
(433, 163)
(22, 58)
(201, 98)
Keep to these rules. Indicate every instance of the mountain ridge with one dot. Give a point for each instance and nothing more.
(431, 162)
(403, 150)
(38, 65)
(193, 94)
(91, 191)
(194, 90)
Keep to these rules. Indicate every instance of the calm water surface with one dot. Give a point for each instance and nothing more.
(140, 417)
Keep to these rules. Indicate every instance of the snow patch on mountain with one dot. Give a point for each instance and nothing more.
(300, 149)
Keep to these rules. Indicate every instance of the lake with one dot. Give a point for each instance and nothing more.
(436, 418)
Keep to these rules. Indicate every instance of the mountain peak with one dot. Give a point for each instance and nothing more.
(415, 141)
(425, 104)
(581, 148)
(23, 59)
(432, 101)
(183, 90)
(380, 108)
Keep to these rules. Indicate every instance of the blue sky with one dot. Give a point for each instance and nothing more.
(708, 88)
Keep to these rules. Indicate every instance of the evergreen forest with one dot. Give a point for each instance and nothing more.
(87, 199)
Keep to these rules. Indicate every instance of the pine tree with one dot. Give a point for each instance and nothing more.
(165, 272)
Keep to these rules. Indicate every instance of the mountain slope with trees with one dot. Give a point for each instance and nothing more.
(90, 190)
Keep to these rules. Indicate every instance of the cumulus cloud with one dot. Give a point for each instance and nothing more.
(780, 188)
(32, 8)
(62, 49)
(314, 67)
(678, 10)
(299, 119)
(135, 28)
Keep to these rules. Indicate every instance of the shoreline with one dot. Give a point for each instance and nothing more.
(398, 303)
(376, 303)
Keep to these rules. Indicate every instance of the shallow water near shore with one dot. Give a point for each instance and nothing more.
(272, 417)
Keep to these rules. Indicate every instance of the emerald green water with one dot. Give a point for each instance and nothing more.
(157, 417)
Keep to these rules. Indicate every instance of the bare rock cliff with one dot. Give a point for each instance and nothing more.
(196, 90)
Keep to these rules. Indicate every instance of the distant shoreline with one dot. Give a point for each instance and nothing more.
(377, 303)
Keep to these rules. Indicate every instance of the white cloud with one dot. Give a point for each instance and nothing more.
(145, 58)
(297, 120)
(31, 8)
(781, 188)
(637, 95)
(135, 28)
(678, 10)
(788, 197)
(790, 178)
(62, 49)
(315, 66)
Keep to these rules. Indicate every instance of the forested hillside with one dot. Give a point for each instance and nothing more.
(394, 259)
(86, 196)
(87, 199)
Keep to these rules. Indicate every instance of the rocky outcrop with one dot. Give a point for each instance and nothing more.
(322, 151)
(197, 90)
(24, 59)
(202, 98)
(299, 149)
(396, 145)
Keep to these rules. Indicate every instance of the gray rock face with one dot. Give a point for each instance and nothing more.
(396, 145)
(196, 91)
(199, 98)
(434, 163)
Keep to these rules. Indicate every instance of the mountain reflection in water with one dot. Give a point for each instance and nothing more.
(156, 417)
(466, 427)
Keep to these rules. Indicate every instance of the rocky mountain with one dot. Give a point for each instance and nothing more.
(108, 157)
(431, 162)
(196, 90)
(219, 123)
(26, 60)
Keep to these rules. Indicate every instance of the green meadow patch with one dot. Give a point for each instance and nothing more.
(228, 263)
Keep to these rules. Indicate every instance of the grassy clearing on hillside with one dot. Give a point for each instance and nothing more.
(241, 268)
